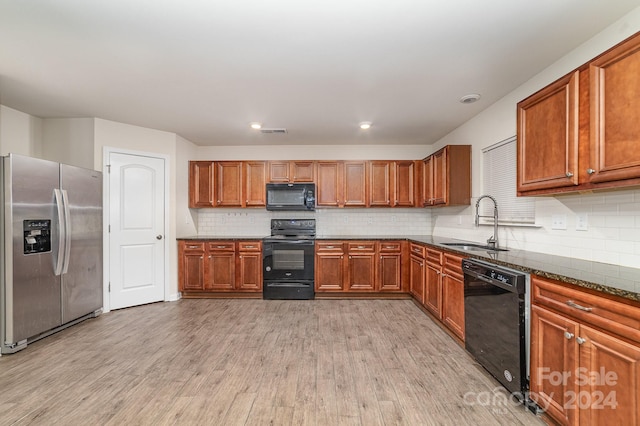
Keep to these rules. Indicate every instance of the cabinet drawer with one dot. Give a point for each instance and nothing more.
(193, 246)
(417, 250)
(361, 246)
(615, 316)
(222, 246)
(434, 256)
(250, 245)
(329, 246)
(453, 264)
(390, 246)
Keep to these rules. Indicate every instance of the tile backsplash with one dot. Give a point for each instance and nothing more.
(329, 222)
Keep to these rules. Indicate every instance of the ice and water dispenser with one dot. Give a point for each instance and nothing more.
(37, 236)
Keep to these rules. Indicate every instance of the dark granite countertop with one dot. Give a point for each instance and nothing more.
(607, 278)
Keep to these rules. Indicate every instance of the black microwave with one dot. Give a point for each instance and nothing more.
(291, 196)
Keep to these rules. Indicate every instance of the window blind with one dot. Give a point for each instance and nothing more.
(499, 180)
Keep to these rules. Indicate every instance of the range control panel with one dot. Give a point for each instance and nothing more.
(37, 235)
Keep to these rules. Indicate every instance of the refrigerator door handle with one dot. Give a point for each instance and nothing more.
(67, 231)
(61, 234)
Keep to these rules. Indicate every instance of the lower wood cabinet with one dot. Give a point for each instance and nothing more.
(436, 281)
(585, 355)
(207, 266)
(359, 266)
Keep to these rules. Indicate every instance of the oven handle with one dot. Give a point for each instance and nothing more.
(496, 283)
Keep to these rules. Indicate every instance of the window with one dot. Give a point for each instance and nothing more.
(499, 168)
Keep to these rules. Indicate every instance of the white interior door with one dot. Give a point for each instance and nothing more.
(136, 235)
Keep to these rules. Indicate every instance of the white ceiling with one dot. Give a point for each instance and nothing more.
(205, 69)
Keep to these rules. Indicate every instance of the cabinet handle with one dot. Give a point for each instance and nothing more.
(239, 257)
(569, 174)
(360, 247)
(350, 257)
(575, 305)
(203, 258)
(329, 247)
(580, 340)
(194, 247)
(590, 171)
(221, 247)
(568, 335)
(341, 257)
(248, 246)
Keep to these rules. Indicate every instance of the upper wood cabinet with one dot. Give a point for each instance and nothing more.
(201, 189)
(582, 131)
(392, 183)
(228, 180)
(447, 177)
(255, 173)
(341, 184)
(292, 171)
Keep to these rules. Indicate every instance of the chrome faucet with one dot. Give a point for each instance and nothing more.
(493, 240)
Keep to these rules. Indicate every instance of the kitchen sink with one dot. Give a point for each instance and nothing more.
(473, 247)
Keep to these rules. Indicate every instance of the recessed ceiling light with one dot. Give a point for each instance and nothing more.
(470, 98)
(365, 125)
(256, 126)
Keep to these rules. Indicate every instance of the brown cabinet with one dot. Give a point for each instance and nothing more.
(329, 267)
(291, 171)
(392, 183)
(249, 266)
(453, 294)
(585, 355)
(446, 179)
(433, 282)
(201, 189)
(417, 271)
(581, 132)
(191, 266)
(389, 266)
(359, 266)
(219, 266)
(255, 173)
(341, 184)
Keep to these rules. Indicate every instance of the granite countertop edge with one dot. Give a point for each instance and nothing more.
(563, 269)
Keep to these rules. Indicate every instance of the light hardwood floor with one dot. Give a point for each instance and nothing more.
(253, 362)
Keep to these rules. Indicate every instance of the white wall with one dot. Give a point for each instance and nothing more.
(20, 133)
(69, 141)
(187, 220)
(614, 217)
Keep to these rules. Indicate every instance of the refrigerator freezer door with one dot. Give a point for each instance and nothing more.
(32, 291)
(82, 279)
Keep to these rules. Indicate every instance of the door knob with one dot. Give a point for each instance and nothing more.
(158, 237)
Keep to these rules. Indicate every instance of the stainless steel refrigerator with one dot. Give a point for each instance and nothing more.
(51, 236)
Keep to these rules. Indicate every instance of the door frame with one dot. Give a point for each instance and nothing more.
(107, 151)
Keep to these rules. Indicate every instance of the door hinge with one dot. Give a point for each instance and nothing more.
(109, 287)
(108, 168)
(109, 229)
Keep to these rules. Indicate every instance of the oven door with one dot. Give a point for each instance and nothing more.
(288, 260)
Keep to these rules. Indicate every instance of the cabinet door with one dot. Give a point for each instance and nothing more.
(303, 171)
(610, 378)
(433, 289)
(249, 271)
(201, 184)
(404, 194)
(254, 178)
(355, 184)
(427, 181)
(192, 267)
(615, 101)
(229, 183)
(554, 363)
(329, 274)
(548, 137)
(389, 272)
(416, 278)
(279, 171)
(453, 302)
(329, 184)
(379, 183)
(220, 267)
(439, 177)
(361, 262)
